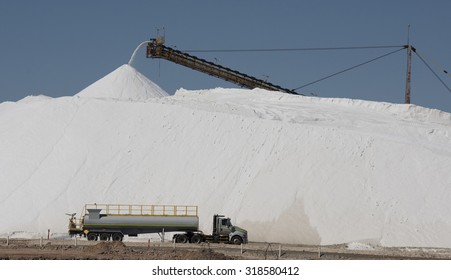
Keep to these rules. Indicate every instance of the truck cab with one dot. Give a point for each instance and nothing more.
(223, 227)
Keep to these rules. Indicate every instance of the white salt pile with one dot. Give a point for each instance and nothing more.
(287, 168)
(125, 83)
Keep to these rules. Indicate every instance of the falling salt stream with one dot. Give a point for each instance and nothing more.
(130, 62)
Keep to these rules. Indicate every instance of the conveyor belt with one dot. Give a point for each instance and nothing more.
(157, 49)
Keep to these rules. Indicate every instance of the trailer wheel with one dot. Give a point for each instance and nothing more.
(236, 240)
(196, 238)
(181, 238)
(104, 236)
(117, 236)
(92, 236)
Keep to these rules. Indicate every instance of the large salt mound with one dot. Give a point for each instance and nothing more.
(124, 83)
(287, 168)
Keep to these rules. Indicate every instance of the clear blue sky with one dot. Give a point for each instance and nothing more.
(57, 48)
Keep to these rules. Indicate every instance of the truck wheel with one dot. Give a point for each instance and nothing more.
(117, 236)
(182, 238)
(236, 240)
(104, 236)
(196, 238)
(92, 236)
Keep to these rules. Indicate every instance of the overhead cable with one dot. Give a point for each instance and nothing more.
(293, 49)
(437, 65)
(432, 70)
(350, 68)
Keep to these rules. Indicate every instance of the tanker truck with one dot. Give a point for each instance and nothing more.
(114, 221)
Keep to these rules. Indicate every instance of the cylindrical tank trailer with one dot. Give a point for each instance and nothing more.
(114, 221)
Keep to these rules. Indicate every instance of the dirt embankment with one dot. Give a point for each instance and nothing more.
(84, 250)
(26, 250)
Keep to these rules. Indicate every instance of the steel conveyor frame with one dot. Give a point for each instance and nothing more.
(157, 49)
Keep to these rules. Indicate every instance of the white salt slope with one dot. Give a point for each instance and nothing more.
(288, 168)
(124, 83)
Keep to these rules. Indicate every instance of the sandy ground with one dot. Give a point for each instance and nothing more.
(20, 249)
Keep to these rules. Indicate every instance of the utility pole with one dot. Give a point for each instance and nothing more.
(409, 66)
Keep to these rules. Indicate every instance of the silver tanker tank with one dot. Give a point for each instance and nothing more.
(113, 221)
(135, 224)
